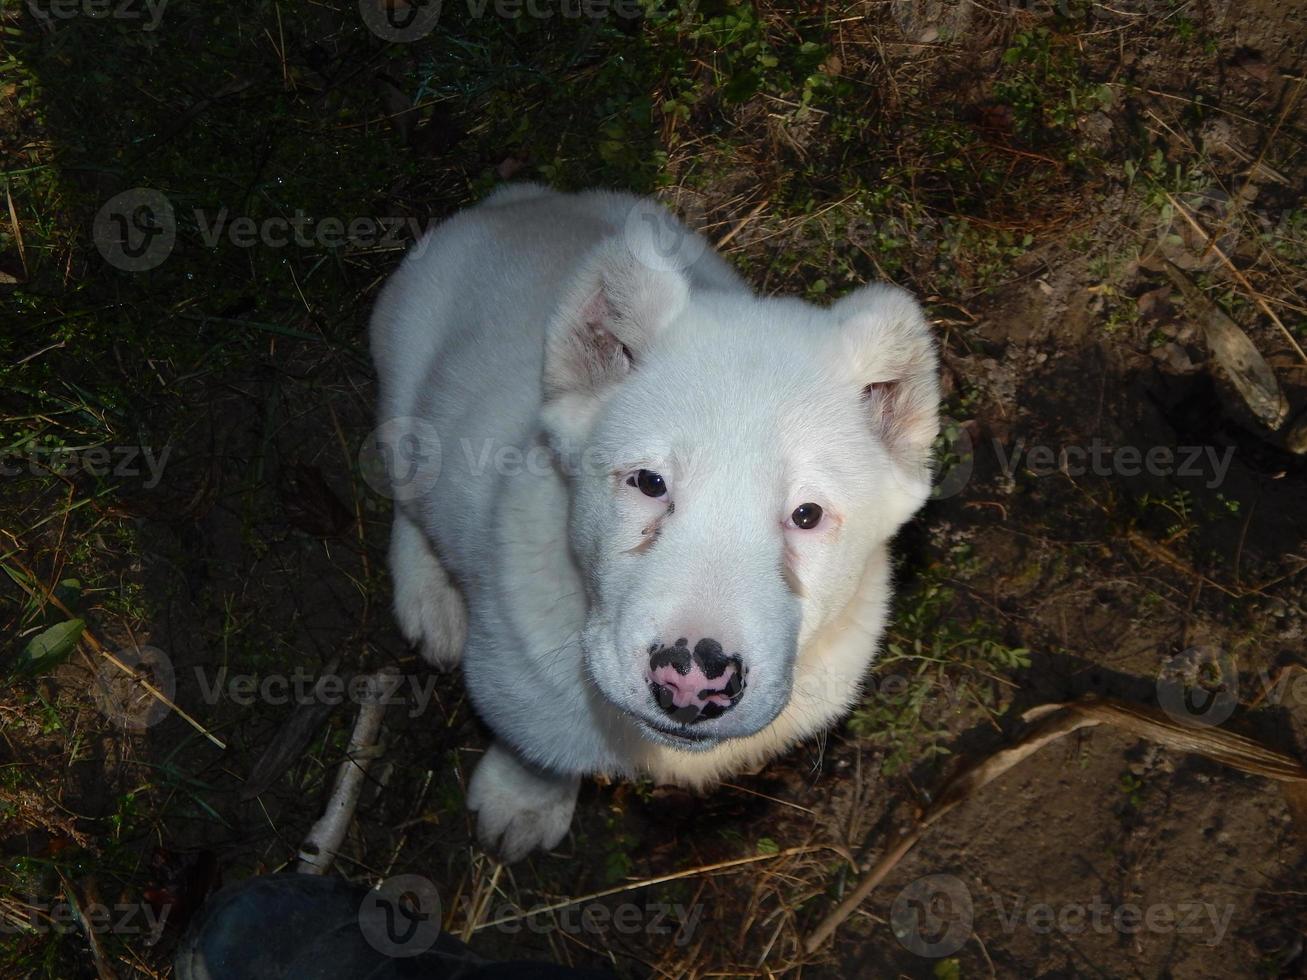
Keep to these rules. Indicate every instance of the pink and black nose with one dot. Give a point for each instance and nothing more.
(694, 685)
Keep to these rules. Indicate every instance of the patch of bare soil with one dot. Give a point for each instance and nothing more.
(1107, 856)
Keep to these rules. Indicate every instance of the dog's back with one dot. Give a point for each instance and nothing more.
(471, 302)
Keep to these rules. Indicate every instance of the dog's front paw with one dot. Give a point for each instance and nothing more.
(429, 610)
(519, 808)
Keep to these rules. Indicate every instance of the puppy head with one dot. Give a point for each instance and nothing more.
(733, 463)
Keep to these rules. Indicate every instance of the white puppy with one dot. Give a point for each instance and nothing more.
(648, 508)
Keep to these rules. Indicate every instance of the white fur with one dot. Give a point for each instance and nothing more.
(428, 608)
(599, 337)
(499, 787)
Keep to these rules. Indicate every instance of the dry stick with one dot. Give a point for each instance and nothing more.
(18, 230)
(102, 968)
(739, 225)
(481, 897)
(1234, 271)
(771, 799)
(1054, 721)
(152, 690)
(324, 838)
(1162, 553)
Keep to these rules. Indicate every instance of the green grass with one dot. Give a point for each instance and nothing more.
(942, 669)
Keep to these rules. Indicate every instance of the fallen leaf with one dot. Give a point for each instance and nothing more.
(50, 647)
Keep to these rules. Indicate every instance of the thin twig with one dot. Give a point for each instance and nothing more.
(1051, 722)
(18, 230)
(739, 225)
(646, 882)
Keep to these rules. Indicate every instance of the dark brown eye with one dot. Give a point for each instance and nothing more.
(806, 516)
(649, 483)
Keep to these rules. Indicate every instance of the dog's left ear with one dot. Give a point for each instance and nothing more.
(607, 319)
(887, 344)
(605, 324)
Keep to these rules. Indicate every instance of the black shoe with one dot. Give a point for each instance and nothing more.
(305, 927)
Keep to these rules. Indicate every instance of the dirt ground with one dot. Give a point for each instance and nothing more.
(1110, 514)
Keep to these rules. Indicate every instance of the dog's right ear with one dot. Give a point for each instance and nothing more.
(607, 321)
(888, 347)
